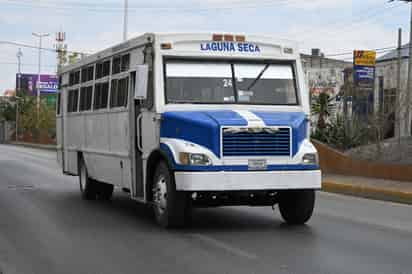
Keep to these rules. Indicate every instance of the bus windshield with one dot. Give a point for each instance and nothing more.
(230, 83)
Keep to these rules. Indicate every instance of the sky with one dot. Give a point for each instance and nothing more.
(334, 26)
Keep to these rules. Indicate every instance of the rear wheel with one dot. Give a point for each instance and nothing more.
(296, 206)
(88, 187)
(170, 206)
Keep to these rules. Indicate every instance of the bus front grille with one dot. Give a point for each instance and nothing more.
(270, 141)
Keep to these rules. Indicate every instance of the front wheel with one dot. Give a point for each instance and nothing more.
(170, 206)
(296, 206)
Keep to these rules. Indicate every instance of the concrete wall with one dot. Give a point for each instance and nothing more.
(332, 161)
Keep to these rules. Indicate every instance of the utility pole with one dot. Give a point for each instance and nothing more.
(40, 36)
(61, 49)
(125, 19)
(18, 55)
(398, 113)
(408, 90)
(407, 124)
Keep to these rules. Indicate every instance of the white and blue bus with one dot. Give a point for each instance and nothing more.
(191, 120)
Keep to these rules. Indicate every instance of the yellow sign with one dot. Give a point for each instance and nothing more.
(364, 58)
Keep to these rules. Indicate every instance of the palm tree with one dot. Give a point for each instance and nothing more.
(322, 106)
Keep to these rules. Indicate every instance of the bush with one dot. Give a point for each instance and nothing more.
(342, 134)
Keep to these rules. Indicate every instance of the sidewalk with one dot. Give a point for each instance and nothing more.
(32, 145)
(380, 189)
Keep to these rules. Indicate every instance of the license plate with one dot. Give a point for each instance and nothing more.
(257, 164)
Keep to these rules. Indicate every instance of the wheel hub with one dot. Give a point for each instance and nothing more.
(160, 194)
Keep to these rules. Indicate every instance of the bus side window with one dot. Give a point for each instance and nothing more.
(73, 99)
(86, 98)
(119, 92)
(58, 103)
(101, 93)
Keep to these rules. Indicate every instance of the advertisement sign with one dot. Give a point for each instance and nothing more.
(365, 58)
(364, 62)
(364, 68)
(28, 83)
(364, 76)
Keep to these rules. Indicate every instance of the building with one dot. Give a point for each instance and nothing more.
(386, 89)
(325, 75)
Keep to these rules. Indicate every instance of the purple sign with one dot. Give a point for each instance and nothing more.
(28, 83)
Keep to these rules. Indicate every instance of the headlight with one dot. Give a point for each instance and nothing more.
(194, 159)
(310, 159)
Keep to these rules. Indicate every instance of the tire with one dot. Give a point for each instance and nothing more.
(105, 191)
(170, 206)
(296, 206)
(88, 187)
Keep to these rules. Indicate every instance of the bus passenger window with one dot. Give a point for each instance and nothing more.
(119, 92)
(86, 98)
(74, 78)
(125, 62)
(73, 99)
(58, 103)
(101, 92)
(116, 68)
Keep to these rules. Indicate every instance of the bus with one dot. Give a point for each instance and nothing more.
(180, 121)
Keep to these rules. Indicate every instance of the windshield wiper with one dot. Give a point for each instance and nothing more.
(258, 77)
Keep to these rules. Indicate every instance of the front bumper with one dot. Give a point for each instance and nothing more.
(248, 180)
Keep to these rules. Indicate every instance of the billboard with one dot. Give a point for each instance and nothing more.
(365, 58)
(364, 62)
(28, 83)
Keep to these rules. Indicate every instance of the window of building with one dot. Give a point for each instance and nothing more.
(87, 74)
(74, 78)
(86, 98)
(102, 69)
(119, 92)
(101, 93)
(72, 102)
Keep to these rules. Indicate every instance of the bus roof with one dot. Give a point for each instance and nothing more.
(211, 44)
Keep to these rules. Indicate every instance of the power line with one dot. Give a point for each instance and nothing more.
(379, 50)
(92, 8)
(17, 44)
(331, 34)
(25, 64)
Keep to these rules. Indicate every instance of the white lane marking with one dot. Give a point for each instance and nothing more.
(226, 247)
(251, 118)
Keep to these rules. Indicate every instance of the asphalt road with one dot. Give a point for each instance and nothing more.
(45, 227)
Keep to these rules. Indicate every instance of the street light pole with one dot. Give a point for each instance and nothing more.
(40, 36)
(407, 115)
(18, 55)
(17, 116)
(125, 19)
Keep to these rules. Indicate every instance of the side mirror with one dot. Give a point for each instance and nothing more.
(142, 77)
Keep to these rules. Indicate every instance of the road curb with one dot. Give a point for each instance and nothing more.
(36, 146)
(376, 193)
